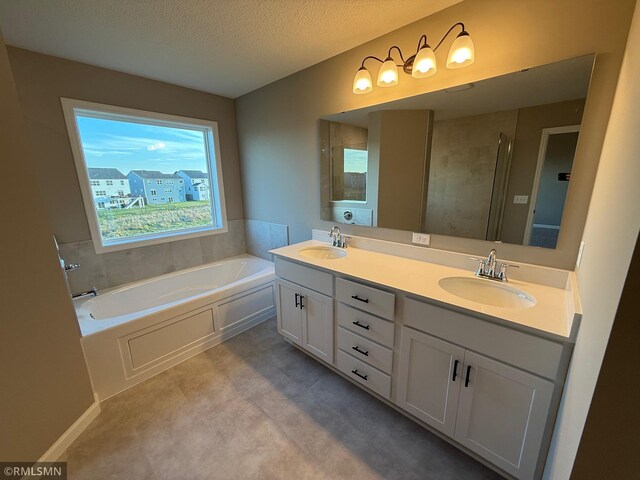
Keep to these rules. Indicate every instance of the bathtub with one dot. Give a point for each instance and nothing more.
(132, 332)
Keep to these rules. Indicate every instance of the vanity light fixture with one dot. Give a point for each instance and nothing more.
(421, 64)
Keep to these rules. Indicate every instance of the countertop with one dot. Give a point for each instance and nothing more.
(554, 315)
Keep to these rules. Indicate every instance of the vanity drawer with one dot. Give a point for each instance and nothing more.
(529, 352)
(365, 350)
(373, 328)
(366, 298)
(365, 374)
(308, 277)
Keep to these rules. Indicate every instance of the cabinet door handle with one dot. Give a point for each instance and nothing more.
(362, 352)
(301, 304)
(297, 304)
(361, 325)
(356, 297)
(455, 370)
(466, 379)
(355, 372)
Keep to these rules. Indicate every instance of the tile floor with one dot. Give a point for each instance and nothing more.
(255, 407)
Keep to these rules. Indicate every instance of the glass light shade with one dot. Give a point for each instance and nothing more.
(462, 52)
(362, 82)
(424, 65)
(388, 75)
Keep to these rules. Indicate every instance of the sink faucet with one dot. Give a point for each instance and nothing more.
(338, 238)
(487, 267)
(491, 263)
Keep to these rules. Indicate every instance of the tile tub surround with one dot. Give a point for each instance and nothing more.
(416, 271)
(264, 236)
(256, 407)
(116, 268)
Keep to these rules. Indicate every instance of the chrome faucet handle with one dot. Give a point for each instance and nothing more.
(503, 271)
(343, 243)
(71, 267)
(481, 265)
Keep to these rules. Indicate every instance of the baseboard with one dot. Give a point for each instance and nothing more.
(67, 438)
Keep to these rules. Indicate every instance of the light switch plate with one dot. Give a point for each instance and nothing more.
(521, 199)
(421, 238)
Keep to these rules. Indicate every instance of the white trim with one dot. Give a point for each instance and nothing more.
(546, 132)
(212, 146)
(72, 433)
(550, 227)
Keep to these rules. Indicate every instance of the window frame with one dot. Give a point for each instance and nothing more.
(214, 161)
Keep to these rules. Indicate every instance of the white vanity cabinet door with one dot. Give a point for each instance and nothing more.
(289, 313)
(502, 414)
(317, 324)
(427, 387)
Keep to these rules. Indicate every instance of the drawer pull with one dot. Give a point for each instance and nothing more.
(301, 304)
(297, 304)
(361, 325)
(455, 370)
(466, 380)
(356, 297)
(355, 372)
(362, 352)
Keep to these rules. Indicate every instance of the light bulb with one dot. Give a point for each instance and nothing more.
(362, 82)
(388, 75)
(462, 52)
(424, 64)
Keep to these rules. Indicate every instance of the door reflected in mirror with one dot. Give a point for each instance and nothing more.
(490, 160)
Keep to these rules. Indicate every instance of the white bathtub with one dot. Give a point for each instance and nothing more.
(135, 331)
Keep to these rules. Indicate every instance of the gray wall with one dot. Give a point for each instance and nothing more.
(44, 382)
(278, 124)
(41, 81)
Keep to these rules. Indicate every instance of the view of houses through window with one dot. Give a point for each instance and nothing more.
(146, 179)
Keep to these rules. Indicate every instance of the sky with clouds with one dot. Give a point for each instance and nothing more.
(132, 146)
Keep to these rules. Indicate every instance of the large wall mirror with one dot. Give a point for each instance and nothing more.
(488, 160)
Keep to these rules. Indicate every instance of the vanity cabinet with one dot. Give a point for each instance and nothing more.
(491, 407)
(491, 388)
(305, 316)
(430, 376)
(502, 413)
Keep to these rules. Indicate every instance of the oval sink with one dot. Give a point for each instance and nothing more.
(323, 253)
(487, 292)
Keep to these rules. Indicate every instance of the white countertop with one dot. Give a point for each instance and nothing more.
(553, 316)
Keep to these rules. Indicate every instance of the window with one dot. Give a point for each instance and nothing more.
(350, 175)
(95, 183)
(101, 193)
(145, 147)
(109, 182)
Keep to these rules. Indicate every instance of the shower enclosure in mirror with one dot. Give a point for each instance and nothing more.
(490, 160)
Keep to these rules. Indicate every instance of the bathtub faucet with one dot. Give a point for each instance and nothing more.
(93, 291)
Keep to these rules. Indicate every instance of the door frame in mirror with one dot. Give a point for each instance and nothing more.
(544, 143)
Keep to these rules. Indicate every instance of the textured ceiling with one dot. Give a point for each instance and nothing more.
(228, 47)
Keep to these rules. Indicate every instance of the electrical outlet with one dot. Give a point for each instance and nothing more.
(421, 238)
(521, 199)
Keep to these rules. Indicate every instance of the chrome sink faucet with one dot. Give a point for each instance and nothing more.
(487, 267)
(339, 240)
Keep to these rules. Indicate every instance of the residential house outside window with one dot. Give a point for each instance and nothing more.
(136, 149)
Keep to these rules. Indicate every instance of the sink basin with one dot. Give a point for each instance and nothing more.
(323, 253)
(487, 292)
